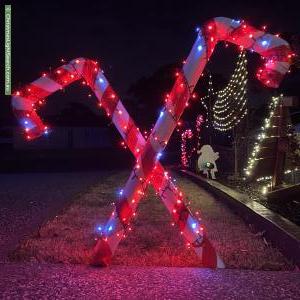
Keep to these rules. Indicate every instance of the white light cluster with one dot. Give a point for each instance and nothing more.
(256, 149)
(257, 146)
(230, 106)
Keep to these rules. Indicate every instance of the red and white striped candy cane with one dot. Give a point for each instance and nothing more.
(276, 53)
(24, 105)
(270, 75)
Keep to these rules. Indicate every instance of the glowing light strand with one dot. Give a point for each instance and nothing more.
(185, 157)
(230, 106)
(254, 157)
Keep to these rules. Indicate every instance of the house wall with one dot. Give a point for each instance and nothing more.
(66, 138)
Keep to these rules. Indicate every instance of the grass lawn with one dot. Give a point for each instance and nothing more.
(153, 241)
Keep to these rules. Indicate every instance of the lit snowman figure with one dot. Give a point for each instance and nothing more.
(207, 161)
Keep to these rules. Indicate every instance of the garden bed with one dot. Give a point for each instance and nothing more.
(153, 241)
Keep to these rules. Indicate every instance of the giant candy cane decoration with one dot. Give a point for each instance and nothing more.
(24, 101)
(274, 50)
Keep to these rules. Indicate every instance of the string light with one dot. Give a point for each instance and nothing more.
(265, 134)
(187, 134)
(230, 106)
(199, 122)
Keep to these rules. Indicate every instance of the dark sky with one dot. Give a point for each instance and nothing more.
(129, 38)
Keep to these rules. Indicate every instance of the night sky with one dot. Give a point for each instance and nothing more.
(131, 39)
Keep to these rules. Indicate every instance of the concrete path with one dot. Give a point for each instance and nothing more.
(46, 281)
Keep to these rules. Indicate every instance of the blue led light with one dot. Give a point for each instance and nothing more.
(200, 48)
(264, 43)
(197, 29)
(237, 22)
(121, 193)
(159, 155)
(161, 114)
(110, 228)
(46, 132)
(101, 80)
(194, 225)
(27, 123)
(99, 228)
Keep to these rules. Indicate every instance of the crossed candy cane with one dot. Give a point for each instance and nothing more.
(24, 102)
(274, 50)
